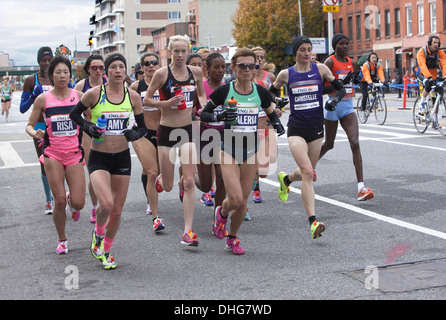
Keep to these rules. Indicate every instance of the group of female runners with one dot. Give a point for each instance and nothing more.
(164, 103)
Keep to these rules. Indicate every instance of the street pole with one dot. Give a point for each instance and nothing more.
(300, 21)
(330, 28)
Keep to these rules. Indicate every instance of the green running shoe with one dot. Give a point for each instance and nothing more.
(108, 262)
(284, 190)
(97, 246)
(316, 229)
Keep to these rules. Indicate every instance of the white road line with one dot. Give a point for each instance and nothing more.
(9, 156)
(367, 213)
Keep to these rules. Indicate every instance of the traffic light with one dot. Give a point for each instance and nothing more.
(90, 42)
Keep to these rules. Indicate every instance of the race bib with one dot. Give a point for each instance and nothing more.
(247, 118)
(63, 126)
(188, 92)
(156, 96)
(116, 122)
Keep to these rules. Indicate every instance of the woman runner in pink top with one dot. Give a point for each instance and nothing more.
(62, 149)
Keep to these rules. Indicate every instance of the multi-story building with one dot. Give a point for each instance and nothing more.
(394, 29)
(126, 26)
(210, 22)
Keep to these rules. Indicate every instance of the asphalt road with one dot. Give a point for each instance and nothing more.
(405, 223)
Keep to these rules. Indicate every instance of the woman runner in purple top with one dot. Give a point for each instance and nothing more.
(306, 122)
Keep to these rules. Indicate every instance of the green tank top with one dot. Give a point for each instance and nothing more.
(117, 115)
(248, 107)
(6, 92)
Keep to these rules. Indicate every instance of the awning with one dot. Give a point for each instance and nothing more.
(404, 50)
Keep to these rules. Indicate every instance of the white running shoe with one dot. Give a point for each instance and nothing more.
(49, 207)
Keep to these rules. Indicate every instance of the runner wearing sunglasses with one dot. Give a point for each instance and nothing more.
(146, 147)
(94, 67)
(239, 148)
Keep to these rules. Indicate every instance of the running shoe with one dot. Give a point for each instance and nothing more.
(365, 194)
(97, 245)
(181, 189)
(148, 210)
(314, 176)
(62, 247)
(233, 244)
(316, 229)
(219, 225)
(190, 238)
(49, 207)
(93, 215)
(158, 186)
(284, 190)
(206, 199)
(247, 217)
(212, 192)
(108, 262)
(75, 214)
(158, 224)
(256, 198)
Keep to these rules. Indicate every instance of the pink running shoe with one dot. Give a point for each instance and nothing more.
(62, 247)
(181, 189)
(219, 225)
(158, 186)
(93, 215)
(190, 238)
(75, 214)
(233, 244)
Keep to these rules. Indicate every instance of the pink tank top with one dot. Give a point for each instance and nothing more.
(212, 125)
(61, 131)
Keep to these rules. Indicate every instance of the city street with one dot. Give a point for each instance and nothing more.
(389, 247)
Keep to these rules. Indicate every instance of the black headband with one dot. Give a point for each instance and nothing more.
(44, 51)
(298, 41)
(113, 58)
(336, 38)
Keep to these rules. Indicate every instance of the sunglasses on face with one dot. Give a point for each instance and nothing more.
(95, 68)
(151, 63)
(250, 66)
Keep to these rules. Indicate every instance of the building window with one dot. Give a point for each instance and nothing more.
(350, 27)
(433, 14)
(358, 27)
(378, 25)
(174, 15)
(409, 21)
(420, 18)
(138, 16)
(397, 21)
(367, 28)
(138, 31)
(387, 23)
(444, 14)
(341, 28)
(174, 1)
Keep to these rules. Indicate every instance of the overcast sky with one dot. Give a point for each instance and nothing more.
(27, 25)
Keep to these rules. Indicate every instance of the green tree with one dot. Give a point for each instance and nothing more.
(272, 24)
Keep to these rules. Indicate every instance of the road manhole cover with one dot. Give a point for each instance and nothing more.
(403, 277)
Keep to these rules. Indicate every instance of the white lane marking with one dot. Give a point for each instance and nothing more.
(9, 156)
(367, 213)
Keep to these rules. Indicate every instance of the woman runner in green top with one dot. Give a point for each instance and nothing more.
(240, 141)
(110, 164)
(6, 93)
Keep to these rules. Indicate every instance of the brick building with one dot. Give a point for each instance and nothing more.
(394, 29)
